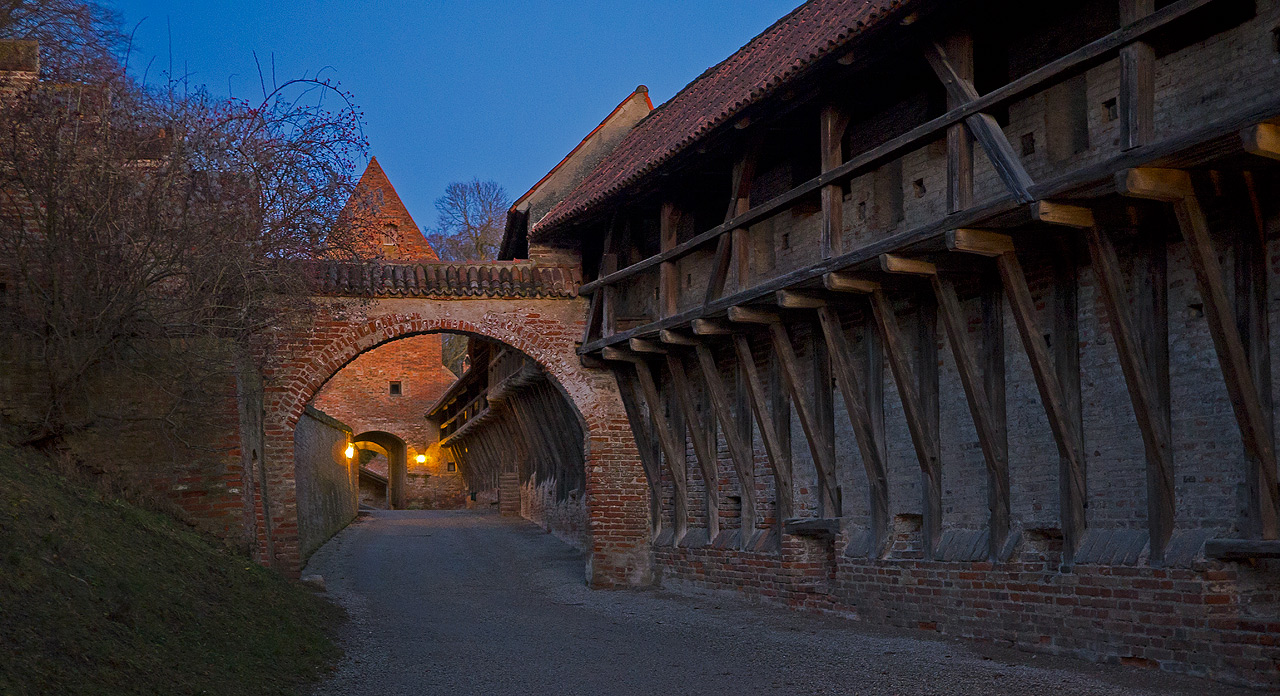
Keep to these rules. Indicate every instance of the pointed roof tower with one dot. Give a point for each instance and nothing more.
(394, 234)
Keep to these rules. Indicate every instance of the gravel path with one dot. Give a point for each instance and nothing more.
(470, 603)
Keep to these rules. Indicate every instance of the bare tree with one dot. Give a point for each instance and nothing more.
(471, 218)
(155, 227)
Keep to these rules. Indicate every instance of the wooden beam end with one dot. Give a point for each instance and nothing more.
(1168, 185)
(641, 345)
(612, 354)
(1062, 214)
(710, 327)
(676, 338)
(892, 263)
(847, 282)
(751, 315)
(1262, 140)
(792, 299)
(980, 242)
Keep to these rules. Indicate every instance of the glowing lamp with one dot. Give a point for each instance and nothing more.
(351, 451)
(422, 459)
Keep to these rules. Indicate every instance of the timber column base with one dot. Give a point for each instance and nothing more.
(509, 495)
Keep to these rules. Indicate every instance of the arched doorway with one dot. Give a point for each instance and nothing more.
(397, 453)
(616, 491)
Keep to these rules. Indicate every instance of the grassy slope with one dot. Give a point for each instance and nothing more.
(101, 597)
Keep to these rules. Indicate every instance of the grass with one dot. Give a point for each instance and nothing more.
(98, 596)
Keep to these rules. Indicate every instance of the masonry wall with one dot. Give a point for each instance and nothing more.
(328, 483)
(360, 395)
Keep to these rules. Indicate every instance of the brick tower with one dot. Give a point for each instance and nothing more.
(390, 388)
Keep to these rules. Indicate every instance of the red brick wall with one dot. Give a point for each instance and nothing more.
(360, 396)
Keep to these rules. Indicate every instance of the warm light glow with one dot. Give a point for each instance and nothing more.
(422, 459)
(351, 451)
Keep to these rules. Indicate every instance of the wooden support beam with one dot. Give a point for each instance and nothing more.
(923, 434)
(1255, 429)
(677, 338)
(703, 450)
(1251, 305)
(847, 282)
(959, 50)
(779, 456)
(989, 426)
(1137, 100)
(892, 263)
(641, 345)
(833, 122)
(672, 448)
(1144, 392)
(1241, 549)
(1262, 140)
(984, 127)
(798, 299)
(980, 242)
(608, 301)
(752, 315)
(1072, 482)
(739, 448)
(710, 327)
(668, 275)
(870, 443)
(1062, 214)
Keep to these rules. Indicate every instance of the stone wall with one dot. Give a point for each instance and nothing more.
(327, 482)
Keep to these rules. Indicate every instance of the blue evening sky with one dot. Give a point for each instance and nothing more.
(455, 89)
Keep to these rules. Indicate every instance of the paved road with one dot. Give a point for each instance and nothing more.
(469, 603)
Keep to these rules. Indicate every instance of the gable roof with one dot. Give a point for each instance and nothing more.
(375, 186)
(810, 32)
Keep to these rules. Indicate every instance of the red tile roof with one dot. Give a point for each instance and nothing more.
(811, 31)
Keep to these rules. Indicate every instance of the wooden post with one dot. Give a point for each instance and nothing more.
(870, 440)
(959, 50)
(668, 276)
(739, 449)
(672, 448)
(833, 124)
(779, 457)
(1137, 99)
(1072, 483)
(731, 248)
(1255, 332)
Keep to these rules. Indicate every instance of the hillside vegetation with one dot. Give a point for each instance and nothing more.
(98, 596)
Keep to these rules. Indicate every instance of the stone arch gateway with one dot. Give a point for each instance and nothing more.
(541, 318)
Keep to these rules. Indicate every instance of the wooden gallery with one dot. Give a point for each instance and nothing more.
(955, 316)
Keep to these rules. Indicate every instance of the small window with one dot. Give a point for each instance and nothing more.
(451, 467)
(396, 389)
(919, 188)
(1028, 144)
(1110, 110)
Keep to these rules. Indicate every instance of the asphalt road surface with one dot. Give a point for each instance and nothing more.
(470, 603)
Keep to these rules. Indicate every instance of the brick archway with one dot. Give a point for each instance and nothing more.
(546, 330)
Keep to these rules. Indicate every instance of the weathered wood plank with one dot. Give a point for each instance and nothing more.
(1143, 392)
(703, 449)
(1241, 549)
(1251, 295)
